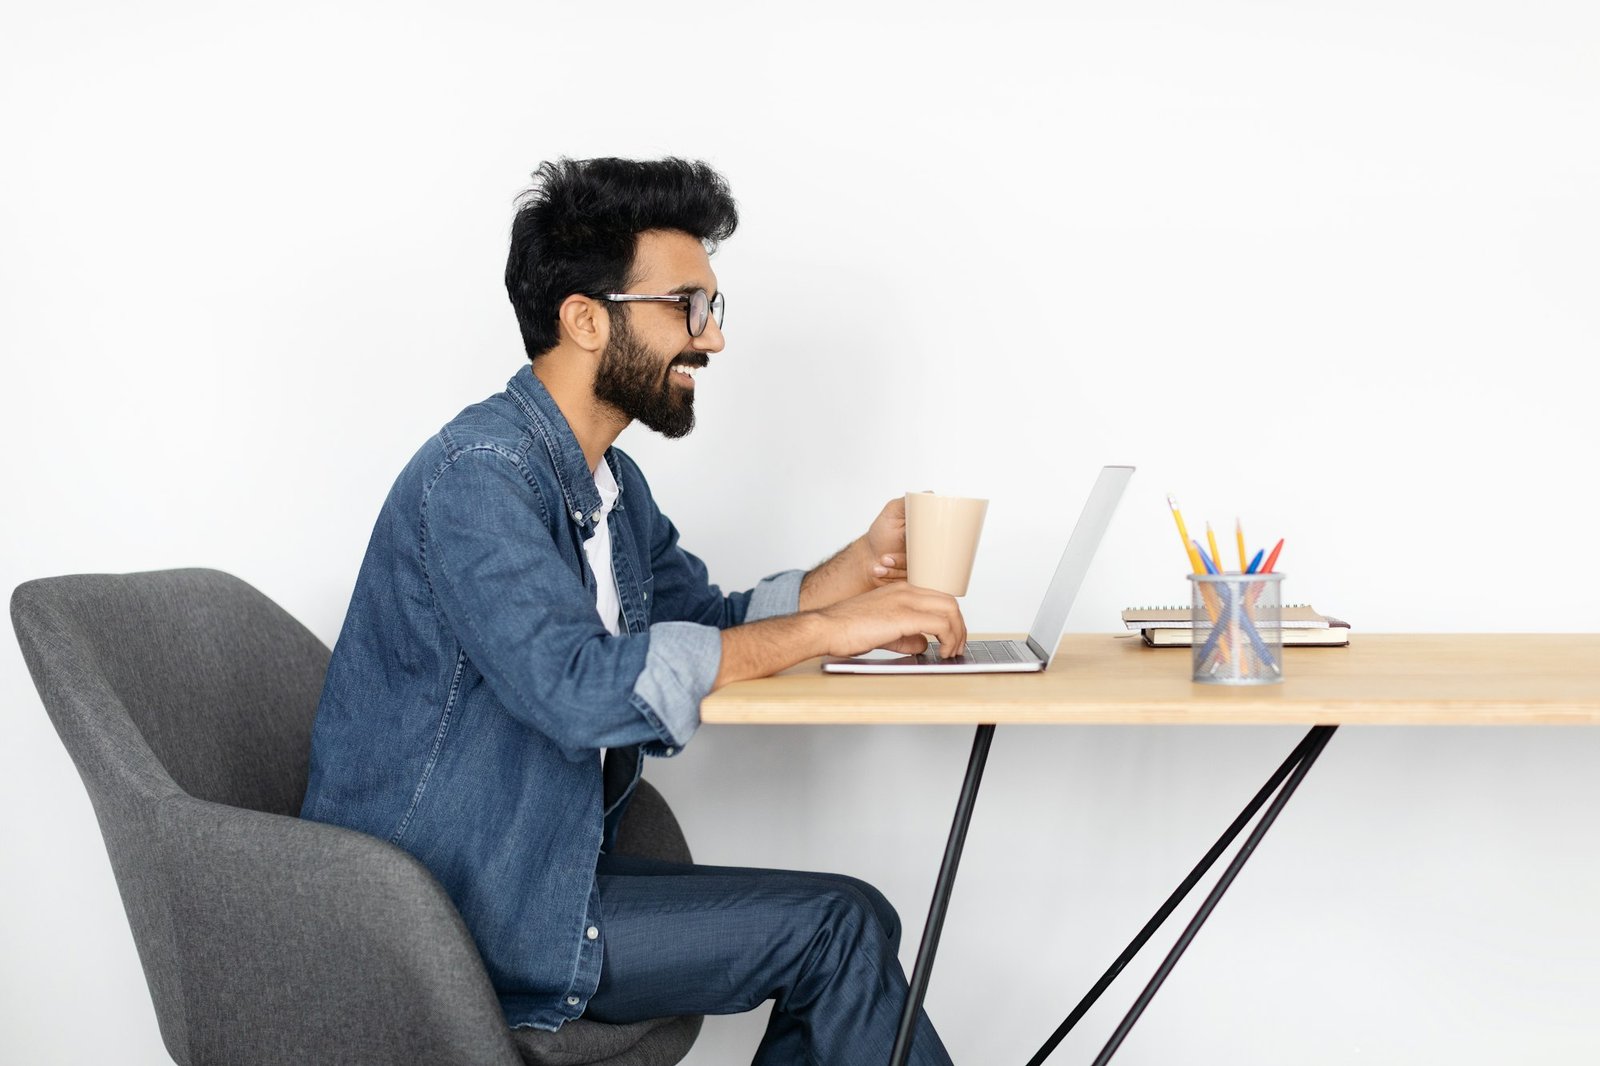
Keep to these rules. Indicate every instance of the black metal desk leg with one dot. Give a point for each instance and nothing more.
(941, 896)
(1320, 735)
(1201, 869)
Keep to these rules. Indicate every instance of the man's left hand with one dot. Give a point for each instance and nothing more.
(886, 543)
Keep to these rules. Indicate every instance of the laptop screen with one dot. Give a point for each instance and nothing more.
(1051, 623)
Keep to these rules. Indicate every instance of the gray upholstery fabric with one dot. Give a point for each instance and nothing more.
(649, 830)
(659, 1040)
(185, 698)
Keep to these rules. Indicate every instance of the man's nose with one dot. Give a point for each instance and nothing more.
(711, 339)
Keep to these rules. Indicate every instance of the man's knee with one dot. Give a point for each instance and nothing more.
(851, 920)
(888, 917)
(878, 905)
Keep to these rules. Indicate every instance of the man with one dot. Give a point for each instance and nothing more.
(523, 605)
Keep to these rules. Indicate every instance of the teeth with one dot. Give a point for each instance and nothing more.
(689, 370)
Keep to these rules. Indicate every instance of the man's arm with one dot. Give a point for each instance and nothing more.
(868, 562)
(892, 617)
(849, 573)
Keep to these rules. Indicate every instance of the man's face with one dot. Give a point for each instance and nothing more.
(640, 369)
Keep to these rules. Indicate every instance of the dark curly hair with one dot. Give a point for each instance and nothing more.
(578, 223)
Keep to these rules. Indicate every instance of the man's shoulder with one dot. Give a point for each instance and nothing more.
(492, 424)
(489, 431)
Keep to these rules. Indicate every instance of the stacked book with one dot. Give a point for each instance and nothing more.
(1173, 627)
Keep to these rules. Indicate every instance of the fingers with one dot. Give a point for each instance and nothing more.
(900, 617)
(955, 644)
(912, 645)
(890, 568)
(939, 614)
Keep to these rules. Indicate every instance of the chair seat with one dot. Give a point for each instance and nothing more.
(589, 1043)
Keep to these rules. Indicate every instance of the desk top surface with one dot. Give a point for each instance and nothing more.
(1394, 679)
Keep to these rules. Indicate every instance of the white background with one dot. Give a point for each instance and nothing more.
(1327, 267)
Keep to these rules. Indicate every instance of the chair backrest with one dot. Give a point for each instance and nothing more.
(191, 675)
(165, 682)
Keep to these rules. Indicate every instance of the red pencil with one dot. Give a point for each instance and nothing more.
(1273, 557)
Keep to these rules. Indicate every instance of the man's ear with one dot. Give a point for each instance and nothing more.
(585, 321)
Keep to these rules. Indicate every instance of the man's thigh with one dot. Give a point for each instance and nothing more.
(686, 939)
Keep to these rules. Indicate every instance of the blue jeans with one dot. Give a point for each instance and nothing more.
(684, 939)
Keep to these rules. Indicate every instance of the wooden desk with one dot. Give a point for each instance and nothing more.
(1433, 679)
(1388, 679)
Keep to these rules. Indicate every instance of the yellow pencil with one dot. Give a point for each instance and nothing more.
(1238, 531)
(1211, 539)
(1195, 565)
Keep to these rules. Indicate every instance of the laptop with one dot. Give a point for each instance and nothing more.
(1049, 626)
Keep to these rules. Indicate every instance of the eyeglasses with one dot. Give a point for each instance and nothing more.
(698, 307)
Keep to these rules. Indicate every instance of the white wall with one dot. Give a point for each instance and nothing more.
(250, 259)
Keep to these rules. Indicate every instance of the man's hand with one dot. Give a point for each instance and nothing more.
(886, 543)
(895, 617)
(868, 562)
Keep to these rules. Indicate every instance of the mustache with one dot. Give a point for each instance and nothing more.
(699, 359)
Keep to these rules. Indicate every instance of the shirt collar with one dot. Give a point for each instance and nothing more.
(579, 495)
(606, 482)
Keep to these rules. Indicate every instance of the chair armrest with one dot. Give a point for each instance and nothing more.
(302, 942)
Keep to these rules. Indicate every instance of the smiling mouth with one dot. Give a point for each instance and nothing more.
(686, 372)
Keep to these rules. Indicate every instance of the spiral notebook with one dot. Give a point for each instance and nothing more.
(1302, 625)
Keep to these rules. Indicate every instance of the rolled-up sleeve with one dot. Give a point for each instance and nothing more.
(776, 595)
(679, 671)
(684, 658)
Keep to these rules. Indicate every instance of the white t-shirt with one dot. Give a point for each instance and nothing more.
(598, 548)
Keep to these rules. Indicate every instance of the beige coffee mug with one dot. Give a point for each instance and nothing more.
(942, 540)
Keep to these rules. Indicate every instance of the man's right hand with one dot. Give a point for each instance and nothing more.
(895, 617)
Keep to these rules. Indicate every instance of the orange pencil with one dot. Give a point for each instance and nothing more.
(1273, 557)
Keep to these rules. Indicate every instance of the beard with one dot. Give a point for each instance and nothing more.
(632, 379)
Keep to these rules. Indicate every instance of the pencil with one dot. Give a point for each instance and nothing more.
(1273, 558)
(1238, 531)
(1183, 534)
(1216, 556)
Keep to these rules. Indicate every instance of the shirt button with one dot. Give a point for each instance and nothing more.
(593, 933)
(672, 751)
(572, 1001)
(595, 516)
(577, 516)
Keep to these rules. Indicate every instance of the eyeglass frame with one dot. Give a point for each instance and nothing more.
(715, 305)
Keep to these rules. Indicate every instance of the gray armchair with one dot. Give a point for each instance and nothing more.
(185, 698)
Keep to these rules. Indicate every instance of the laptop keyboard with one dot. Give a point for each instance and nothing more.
(980, 651)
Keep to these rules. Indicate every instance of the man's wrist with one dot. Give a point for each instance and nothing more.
(848, 573)
(762, 648)
(863, 562)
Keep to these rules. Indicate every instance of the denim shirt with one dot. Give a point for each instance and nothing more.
(473, 683)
